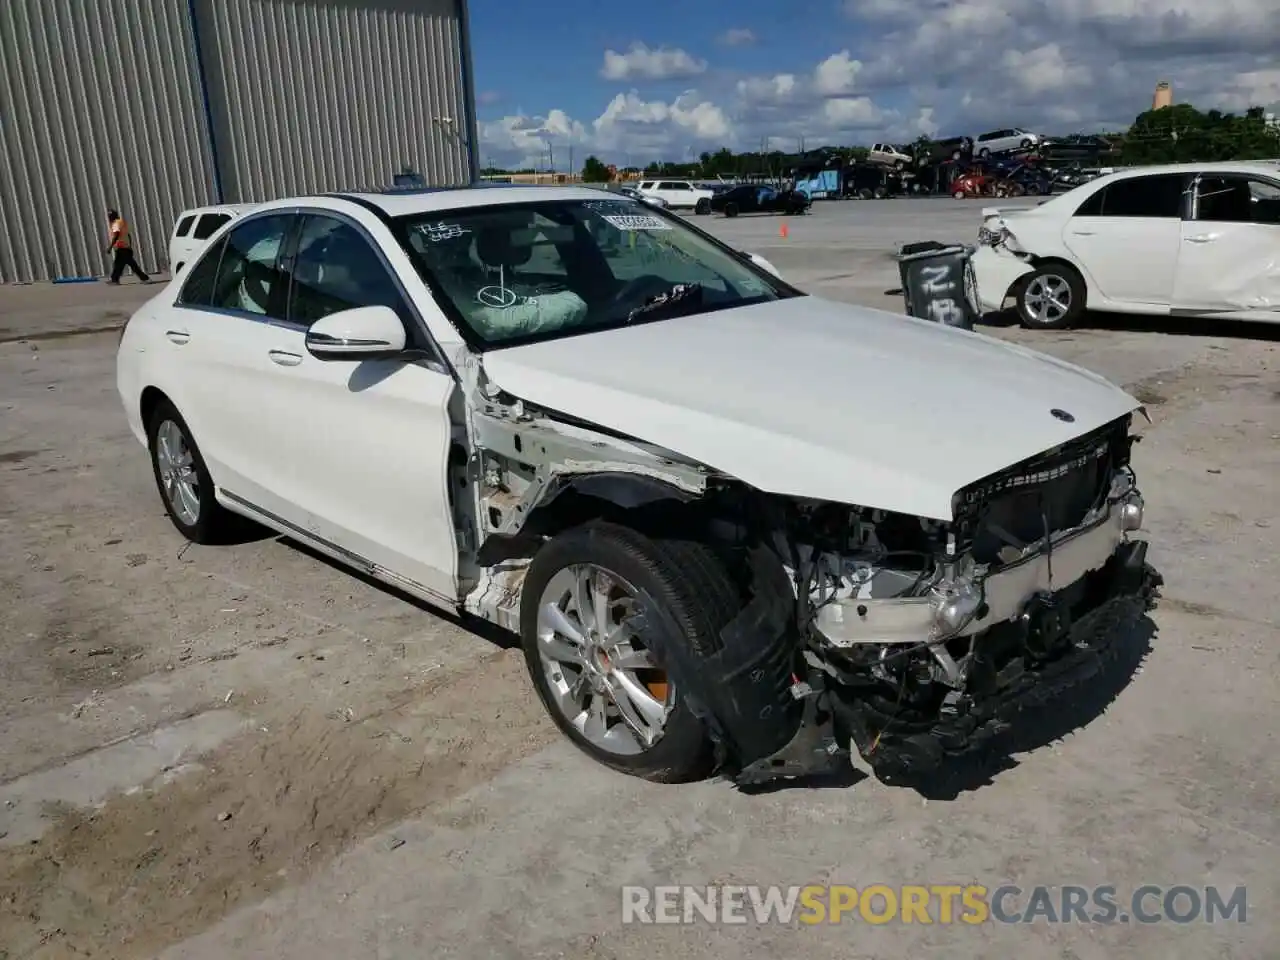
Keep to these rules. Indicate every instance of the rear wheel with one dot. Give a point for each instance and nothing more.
(702, 207)
(583, 602)
(958, 194)
(730, 209)
(183, 479)
(1052, 298)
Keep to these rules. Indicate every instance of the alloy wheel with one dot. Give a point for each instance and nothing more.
(601, 677)
(177, 469)
(1047, 299)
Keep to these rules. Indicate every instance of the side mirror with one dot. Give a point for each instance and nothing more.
(362, 333)
(762, 263)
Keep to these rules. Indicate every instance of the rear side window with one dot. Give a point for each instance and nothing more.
(198, 290)
(1157, 196)
(1234, 199)
(208, 225)
(184, 226)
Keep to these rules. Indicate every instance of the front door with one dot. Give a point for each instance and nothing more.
(1229, 258)
(362, 446)
(1126, 237)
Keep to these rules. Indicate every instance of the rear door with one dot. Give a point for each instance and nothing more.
(1229, 257)
(1126, 237)
(223, 336)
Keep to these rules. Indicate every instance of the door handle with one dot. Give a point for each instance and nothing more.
(1203, 238)
(284, 358)
(178, 336)
(1082, 233)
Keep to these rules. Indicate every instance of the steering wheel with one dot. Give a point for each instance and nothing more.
(632, 288)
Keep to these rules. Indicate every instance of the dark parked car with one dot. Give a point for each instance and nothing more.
(1077, 148)
(755, 198)
(938, 151)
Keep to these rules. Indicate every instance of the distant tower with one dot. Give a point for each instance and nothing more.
(1163, 96)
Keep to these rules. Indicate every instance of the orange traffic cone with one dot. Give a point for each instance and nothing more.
(782, 230)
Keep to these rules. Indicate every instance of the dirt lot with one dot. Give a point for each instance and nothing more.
(245, 751)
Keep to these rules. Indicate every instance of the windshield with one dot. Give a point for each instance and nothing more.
(511, 274)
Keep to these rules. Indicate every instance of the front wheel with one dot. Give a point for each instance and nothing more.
(587, 601)
(702, 207)
(730, 209)
(1052, 298)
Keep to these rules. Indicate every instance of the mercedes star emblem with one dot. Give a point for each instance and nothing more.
(1063, 415)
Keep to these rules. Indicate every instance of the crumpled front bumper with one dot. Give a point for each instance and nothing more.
(995, 271)
(1005, 593)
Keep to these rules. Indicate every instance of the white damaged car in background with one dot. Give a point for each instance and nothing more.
(1192, 240)
(590, 423)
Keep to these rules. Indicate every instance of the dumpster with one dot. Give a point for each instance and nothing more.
(938, 283)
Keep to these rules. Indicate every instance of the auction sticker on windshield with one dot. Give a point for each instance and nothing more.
(634, 222)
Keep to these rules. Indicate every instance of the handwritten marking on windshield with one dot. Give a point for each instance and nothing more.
(637, 223)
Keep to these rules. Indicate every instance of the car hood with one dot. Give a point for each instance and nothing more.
(810, 398)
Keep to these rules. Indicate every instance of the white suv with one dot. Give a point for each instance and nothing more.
(678, 194)
(586, 421)
(194, 227)
(1003, 141)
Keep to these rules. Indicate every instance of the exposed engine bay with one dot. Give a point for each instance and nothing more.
(903, 638)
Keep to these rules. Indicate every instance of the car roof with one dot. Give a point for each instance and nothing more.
(1220, 166)
(405, 203)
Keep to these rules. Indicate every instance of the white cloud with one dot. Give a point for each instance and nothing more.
(837, 75)
(645, 63)
(738, 37)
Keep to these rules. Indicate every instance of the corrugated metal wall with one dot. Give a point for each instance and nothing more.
(334, 94)
(99, 107)
(102, 104)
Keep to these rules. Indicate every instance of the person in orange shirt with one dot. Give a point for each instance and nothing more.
(122, 250)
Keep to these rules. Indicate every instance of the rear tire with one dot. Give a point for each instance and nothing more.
(702, 207)
(687, 580)
(183, 479)
(730, 209)
(958, 194)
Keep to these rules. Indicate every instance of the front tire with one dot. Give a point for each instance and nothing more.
(731, 209)
(1051, 298)
(702, 207)
(183, 479)
(603, 688)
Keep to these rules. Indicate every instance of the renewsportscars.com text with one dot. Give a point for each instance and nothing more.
(932, 904)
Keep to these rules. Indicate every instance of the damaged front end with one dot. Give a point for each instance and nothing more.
(921, 638)
(905, 638)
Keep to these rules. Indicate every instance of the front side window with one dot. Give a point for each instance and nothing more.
(1237, 199)
(249, 275)
(516, 273)
(1158, 196)
(336, 269)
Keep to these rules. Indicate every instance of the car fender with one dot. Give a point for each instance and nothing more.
(995, 271)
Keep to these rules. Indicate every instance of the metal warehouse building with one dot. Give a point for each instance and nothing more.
(154, 106)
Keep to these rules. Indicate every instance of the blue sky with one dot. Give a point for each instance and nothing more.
(667, 79)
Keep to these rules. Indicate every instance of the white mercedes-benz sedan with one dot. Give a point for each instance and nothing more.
(735, 526)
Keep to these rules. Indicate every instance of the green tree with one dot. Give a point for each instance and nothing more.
(1181, 134)
(594, 170)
